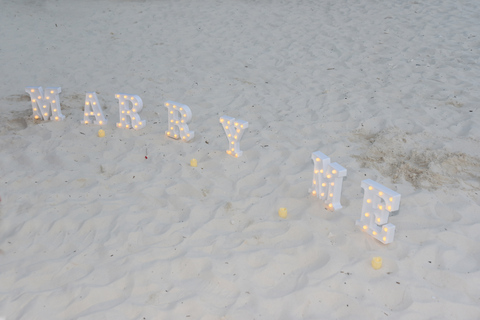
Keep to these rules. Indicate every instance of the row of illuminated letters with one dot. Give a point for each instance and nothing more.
(378, 202)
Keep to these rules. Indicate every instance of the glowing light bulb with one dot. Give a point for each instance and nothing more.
(376, 263)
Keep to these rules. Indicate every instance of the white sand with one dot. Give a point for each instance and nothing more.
(90, 229)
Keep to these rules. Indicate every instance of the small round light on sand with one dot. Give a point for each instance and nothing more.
(282, 213)
(376, 263)
(101, 133)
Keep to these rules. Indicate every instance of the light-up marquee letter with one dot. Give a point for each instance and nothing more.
(129, 117)
(178, 117)
(378, 202)
(234, 130)
(327, 180)
(46, 106)
(93, 109)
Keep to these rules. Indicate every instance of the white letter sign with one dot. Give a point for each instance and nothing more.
(378, 202)
(178, 117)
(327, 180)
(46, 106)
(129, 118)
(234, 130)
(93, 109)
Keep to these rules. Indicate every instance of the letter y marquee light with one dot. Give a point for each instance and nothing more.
(378, 202)
(327, 180)
(234, 130)
(178, 117)
(46, 106)
(129, 117)
(93, 109)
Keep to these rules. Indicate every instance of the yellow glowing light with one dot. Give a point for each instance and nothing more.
(123, 119)
(168, 132)
(384, 238)
(318, 159)
(380, 207)
(98, 114)
(36, 117)
(228, 122)
(123, 111)
(389, 208)
(140, 123)
(331, 195)
(329, 176)
(136, 126)
(100, 122)
(124, 97)
(367, 214)
(193, 163)
(222, 120)
(380, 193)
(133, 118)
(116, 96)
(229, 135)
(174, 106)
(283, 213)
(32, 90)
(34, 109)
(236, 123)
(94, 103)
(374, 233)
(322, 194)
(48, 98)
(181, 129)
(332, 184)
(54, 110)
(122, 103)
(89, 95)
(365, 227)
(134, 110)
(167, 104)
(378, 220)
(321, 170)
(131, 98)
(176, 122)
(314, 192)
(316, 171)
(39, 97)
(391, 199)
(135, 104)
(51, 92)
(128, 111)
(171, 112)
(33, 100)
(229, 152)
(324, 184)
(369, 200)
(87, 103)
(330, 205)
(385, 229)
(127, 126)
(45, 114)
(376, 263)
(370, 188)
(334, 171)
(314, 182)
(119, 124)
(53, 101)
(226, 127)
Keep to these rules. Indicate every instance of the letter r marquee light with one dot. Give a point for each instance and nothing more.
(129, 117)
(46, 106)
(178, 117)
(327, 180)
(378, 202)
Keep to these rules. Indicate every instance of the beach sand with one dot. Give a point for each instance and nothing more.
(122, 227)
